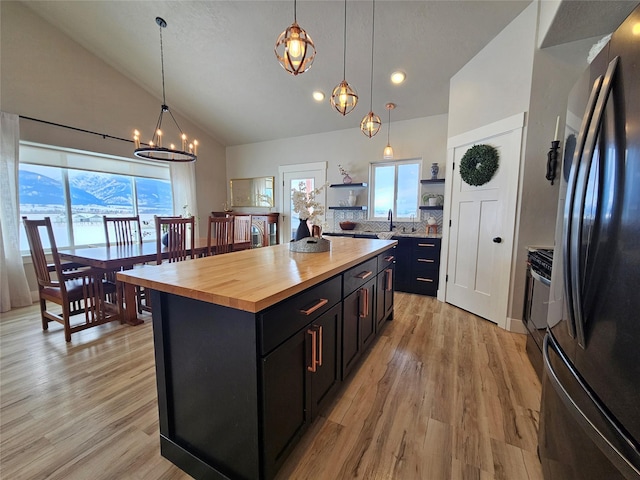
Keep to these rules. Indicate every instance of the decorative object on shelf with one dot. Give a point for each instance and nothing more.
(432, 199)
(154, 149)
(345, 175)
(352, 199)
(307, 207)
(370, 124)
(294, 48)
(387, 154)
(431, 220)
(435, 168)
(479, 164)
(303, 229)
(310, 245)
(316, 231)
(344, 97)
(552, 155)
(346, 225)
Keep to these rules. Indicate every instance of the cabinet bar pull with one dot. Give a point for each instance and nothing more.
(364, 275)
(426, 244)
(363, 295)
(426, 260)
(420, 279)
(320, 346)
(389, 273)
(322, 302)
(390, 258)
(314, 352)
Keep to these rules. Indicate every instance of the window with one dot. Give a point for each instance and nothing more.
(395, 186)
(77, 188)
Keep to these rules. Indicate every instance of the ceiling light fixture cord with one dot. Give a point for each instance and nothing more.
(344, 97)
(370, 124)
(344, 44)
(373, 36)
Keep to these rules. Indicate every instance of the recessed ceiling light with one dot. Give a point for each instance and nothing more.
(318, 96)
(398, 77)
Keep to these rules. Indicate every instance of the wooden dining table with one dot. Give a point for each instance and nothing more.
(120, 257)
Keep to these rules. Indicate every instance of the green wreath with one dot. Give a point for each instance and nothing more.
(479, 164)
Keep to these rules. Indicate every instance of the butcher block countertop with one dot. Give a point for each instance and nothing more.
(252, 280)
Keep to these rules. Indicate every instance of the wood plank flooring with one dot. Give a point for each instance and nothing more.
(441, 395)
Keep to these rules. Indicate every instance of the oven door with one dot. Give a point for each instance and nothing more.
(535, 316)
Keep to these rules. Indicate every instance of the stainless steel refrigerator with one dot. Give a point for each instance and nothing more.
(590, 412)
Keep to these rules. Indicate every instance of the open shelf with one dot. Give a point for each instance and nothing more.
(357, 207)
(348, 185)
(437, 180)
(427, 207)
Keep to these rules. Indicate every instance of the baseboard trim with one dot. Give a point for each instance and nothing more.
(515, 325)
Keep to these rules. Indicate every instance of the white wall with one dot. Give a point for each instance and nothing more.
(424, 138)
(46, 75)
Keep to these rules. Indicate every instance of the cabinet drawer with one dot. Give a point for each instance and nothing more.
(425, 285)
(357, 276)
(279, 322)
(386, 259)
(427, 248)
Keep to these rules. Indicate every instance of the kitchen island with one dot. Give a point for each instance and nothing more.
(251, 345)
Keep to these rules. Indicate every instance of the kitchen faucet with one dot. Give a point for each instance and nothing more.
(413, 224)
(390, 218)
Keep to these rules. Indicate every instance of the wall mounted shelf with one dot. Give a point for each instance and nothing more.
(348, 185)
(427, 207)
(357, 207)
(437, 180)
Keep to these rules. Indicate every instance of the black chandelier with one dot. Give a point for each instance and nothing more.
(188, 151)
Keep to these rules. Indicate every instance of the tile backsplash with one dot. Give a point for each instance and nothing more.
(360, 217)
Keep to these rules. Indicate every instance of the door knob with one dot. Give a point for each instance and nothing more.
(497, 240)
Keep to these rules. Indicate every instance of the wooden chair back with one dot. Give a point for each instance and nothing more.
(125, 230)
(220, 235)
(38, 256)
(242, 232)
(180, 238)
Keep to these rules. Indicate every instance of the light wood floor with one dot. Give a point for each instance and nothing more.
(441, 395)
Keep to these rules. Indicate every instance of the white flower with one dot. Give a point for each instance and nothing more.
(305, 203)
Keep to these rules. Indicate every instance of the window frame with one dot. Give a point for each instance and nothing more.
(66, 159)
(372, 189)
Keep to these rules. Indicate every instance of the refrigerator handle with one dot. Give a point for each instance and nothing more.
(570, 202)
(578, 260)
(587, 411)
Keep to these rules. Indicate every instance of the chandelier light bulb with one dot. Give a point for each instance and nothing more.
(370, 124)
(294, 48)
(344, 98)
(387, 154)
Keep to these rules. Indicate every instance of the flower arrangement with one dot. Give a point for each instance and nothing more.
(346, 178)
(305, 203)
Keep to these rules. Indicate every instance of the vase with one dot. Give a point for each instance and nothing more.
(434, 171)
(346, 179)
(352, 199)
(303, 230)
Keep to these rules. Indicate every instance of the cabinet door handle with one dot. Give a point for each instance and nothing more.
(314, 352)
(322, 302)
(420, 279)
(389, 273)
(426, 260)
(390, 258)
(320, 345)
(363, 294)
(364, 275)
(426, 244)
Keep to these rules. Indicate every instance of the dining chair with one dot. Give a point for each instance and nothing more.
(127, 231)
(180, 234)
(242, 232)
(124, 230)
(220, 235)
(78, 291)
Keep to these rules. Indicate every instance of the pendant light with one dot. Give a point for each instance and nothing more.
(294, 48)
(387, 154)
(154, 149)
(370, 124)
(344, 97)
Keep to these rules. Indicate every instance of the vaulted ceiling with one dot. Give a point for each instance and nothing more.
(222, 74)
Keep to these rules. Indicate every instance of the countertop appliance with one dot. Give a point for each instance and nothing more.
(537, 293)
(590, 412)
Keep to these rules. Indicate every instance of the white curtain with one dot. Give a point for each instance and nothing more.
(14, 288)
(183, 188)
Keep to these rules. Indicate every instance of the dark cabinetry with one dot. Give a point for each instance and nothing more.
(418, 265)
(385, 288)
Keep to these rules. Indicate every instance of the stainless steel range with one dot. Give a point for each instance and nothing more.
(536, 304)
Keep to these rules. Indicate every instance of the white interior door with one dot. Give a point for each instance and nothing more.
(480, 240)
(313, 175)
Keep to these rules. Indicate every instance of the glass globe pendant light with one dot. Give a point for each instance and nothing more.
(387, 154)
(344, 97)
(294, 48)
(370, 124)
